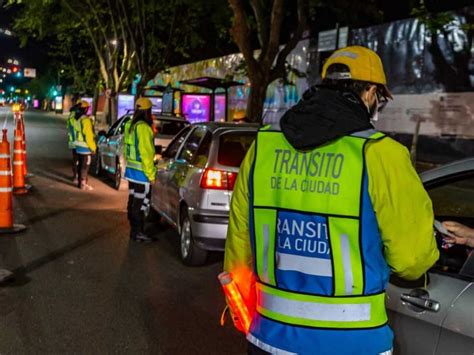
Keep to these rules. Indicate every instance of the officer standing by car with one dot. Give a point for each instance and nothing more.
(85, 143)
(71, 137)
(324, 208)
(140, 168)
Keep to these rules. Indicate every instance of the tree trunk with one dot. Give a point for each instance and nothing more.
(113, 107)
(95, 101)
(256, 100)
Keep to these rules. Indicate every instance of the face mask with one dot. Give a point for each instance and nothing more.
(374, 110)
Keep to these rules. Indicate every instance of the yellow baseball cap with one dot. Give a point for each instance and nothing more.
(84, 104)
(363, 63)
(143, 103)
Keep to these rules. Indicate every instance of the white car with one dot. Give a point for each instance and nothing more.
(438, 318)
(110, 144)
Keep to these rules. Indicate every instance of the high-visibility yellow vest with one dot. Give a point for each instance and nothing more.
(310, 222)
(80, 140)
(132, 153)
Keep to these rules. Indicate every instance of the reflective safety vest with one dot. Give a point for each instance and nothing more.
(317, 250)
(134, 166)
(71, 134)
(80, 141)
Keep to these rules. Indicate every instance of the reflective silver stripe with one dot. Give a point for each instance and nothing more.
(17, 163)
(6, 189)
(18, 139)
(346, 264)
(304, 264)
(266, 242)
(133, 165)
(4, 156)
(81, 144)
(313, 310)
(89, 159)
(268, 348)
(5, 173)
(18, 151)
(388, 352)
(365, 134)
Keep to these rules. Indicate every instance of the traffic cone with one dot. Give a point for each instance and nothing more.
(19, 186)
(6, 198)
(22, 119)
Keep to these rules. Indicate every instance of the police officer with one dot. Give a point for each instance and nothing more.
(140, 169)
(71, 135)
(84, 143)
(324, 208)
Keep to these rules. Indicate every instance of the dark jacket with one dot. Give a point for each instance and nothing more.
(323, 115)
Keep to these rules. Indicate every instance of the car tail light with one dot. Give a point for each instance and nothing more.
(218, 180)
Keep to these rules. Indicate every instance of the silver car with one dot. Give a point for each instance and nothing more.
(194, 184)
(438, 318)
(110, 144)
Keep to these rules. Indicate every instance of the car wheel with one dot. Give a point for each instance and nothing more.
(118, 175)
(98, 165)
(191, 254)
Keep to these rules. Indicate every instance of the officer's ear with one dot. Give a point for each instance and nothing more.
(369, 95)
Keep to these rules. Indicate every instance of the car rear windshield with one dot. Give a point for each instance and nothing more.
(233, 146)
(169, 128)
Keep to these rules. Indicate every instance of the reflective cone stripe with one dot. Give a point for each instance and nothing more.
(6, 199)
(18, 170)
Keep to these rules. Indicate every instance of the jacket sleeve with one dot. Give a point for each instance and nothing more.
(146, 147)
(238, 253)
(88, 131)
(403, 209)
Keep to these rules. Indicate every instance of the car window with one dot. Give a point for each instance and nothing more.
(454, 201)
(233, 146)
(202, 154)
(112, 129)
(168, 127)
(175, 144)
(190, 147)
(121, 128)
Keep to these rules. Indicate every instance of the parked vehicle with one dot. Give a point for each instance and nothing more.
(439, 318)
(110, 144)
(194, 184)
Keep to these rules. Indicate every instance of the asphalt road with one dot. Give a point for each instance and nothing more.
(81, 287)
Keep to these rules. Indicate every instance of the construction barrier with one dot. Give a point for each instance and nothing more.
(6, 189)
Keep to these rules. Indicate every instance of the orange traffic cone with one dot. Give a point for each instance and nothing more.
(23, 135)
(6, 198)
(19, 185)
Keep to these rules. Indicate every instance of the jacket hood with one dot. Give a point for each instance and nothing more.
(323, 115)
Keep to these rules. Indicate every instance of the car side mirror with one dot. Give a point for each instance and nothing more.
(158, 149)
(102, 133)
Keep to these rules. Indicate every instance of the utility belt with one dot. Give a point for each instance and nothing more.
(340, 312)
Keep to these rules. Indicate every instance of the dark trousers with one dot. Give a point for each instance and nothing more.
(75, 163)
(138, 203)
(255, 350)
(83, 168)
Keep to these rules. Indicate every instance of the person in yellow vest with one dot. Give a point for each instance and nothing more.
(71, 135)
(324, 209)
(140, 167)
(84, 143)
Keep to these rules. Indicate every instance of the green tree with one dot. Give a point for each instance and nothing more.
(126, 36)
(265, 19)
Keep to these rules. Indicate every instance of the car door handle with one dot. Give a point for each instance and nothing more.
(420, 302)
